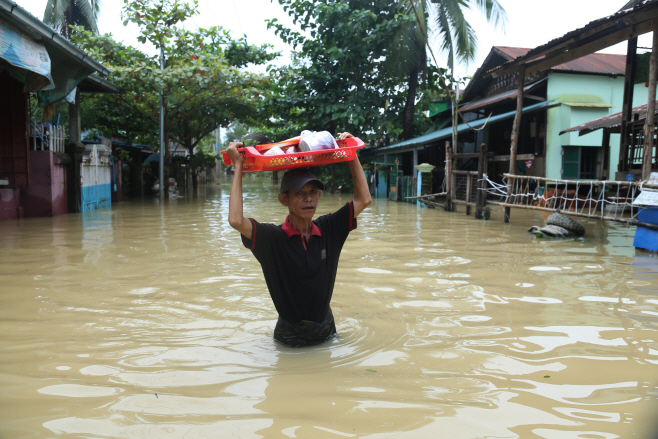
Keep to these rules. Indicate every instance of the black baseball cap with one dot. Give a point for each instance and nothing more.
(295, 179)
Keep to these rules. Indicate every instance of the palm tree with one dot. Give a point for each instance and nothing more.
(60, 14)
(458, 38)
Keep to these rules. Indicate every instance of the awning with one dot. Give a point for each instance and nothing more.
(612, 121)
(68, 65)
(67, 76)
(446, 133)
(24, 59)
(512, 94)
(95, 84)
(587, 104)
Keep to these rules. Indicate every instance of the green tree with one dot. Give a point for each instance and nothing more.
(338, 80)
(61, 14)
(458, 40)
(203, 83)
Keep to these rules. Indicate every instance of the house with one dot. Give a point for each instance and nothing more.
(579, 91)
(36, 60)
(553, 100)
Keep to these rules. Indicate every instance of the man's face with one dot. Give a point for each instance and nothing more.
(302, 203)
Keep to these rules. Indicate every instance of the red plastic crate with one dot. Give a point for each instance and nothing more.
(256, 162)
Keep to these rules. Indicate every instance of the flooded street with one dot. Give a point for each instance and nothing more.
(149, 321)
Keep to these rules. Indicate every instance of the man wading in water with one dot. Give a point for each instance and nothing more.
(300, 257)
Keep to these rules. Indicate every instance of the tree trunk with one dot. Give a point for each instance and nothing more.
(408, 122)
(167, 159)
(410, 105)
(195, 173)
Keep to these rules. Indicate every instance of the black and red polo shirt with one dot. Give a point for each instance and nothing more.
(300, 275)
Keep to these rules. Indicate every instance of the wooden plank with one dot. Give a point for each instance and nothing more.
(463, 203)
(636, 18)
(645, 225)
(481, 196)
(469, 183)
(627, 102)
(649, 126)
(553, 181)
(520, 157)
(516, 126)
(605, 161)
(426, 196)
(591, 47)
(464, 172)
(562, 211)
(449, 178)
(467, 155)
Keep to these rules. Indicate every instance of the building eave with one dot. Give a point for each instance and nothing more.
(45, 34)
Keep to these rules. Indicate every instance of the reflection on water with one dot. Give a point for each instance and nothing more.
(152, 320)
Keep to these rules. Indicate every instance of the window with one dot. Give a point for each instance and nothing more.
(581, 162)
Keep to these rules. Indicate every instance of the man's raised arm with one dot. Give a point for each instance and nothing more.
(362, 196)
(235, 218)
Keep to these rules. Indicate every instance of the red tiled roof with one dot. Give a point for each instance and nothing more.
(601, 63)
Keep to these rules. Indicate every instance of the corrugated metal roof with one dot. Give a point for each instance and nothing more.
(479, 103)
(445, 133)
(511, 53)
(611, 121)
(599, 63)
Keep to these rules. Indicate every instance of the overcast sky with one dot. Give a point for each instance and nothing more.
(530, 23)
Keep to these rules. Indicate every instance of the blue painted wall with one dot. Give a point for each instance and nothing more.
(96, 197)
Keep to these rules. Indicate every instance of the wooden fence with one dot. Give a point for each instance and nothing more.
(47, 137)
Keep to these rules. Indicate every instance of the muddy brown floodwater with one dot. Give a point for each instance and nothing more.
(149, 321)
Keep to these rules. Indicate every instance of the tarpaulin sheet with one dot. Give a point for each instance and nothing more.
(29, 61)
(66, 74)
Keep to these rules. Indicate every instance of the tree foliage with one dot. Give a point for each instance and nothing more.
(442, 19)
(338, 80)
(345, 74)
(203, 83)
(61, 14)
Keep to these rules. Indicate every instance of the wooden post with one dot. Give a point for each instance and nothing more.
(49, 113)
(627, 104)
(481, 197)
(448, 206)
(415, 171)
(649, 127)
(605, 161)
(275, 177)
(75, 132)
(469, 185)
(387, 176)
(516, 127)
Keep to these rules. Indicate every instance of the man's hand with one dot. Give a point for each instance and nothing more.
(233, 153)
(343, 136)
